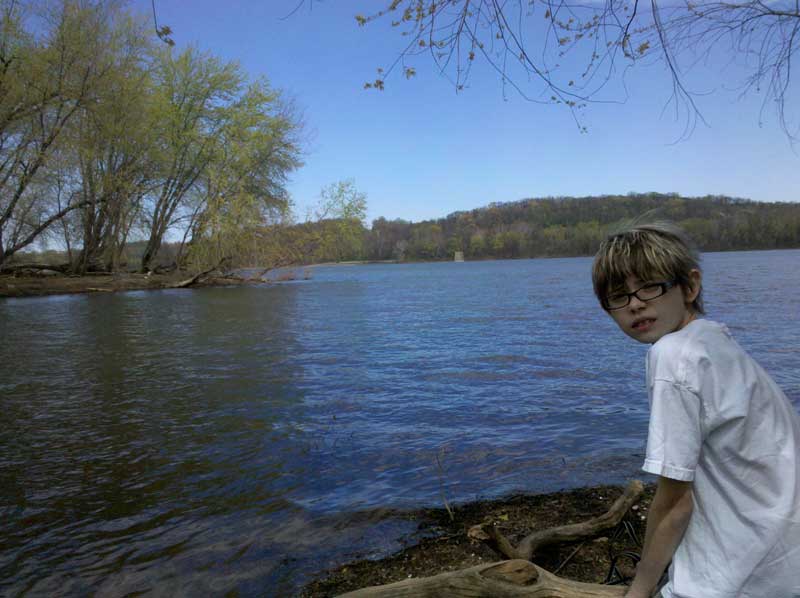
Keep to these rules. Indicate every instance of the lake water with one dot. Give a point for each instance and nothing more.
(195, 442)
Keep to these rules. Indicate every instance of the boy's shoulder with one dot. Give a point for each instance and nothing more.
(699, 344)
(697, 335)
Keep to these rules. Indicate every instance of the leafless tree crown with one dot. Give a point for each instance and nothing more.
(568, 52)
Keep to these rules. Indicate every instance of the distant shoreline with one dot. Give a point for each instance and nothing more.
(498, 258)
(64, 284)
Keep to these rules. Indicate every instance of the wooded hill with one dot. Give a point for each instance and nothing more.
(574, 226)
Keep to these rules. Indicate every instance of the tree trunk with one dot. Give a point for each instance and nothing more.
(153, 245)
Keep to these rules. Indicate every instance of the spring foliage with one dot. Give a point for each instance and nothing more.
(109, 135)
(574, 226)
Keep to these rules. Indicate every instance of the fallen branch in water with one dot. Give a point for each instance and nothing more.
(197, 277)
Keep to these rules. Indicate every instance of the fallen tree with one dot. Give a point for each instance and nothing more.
(518, 576)
(200, 276)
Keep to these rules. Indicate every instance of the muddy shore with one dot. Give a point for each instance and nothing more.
(60, 284)
(516, 516)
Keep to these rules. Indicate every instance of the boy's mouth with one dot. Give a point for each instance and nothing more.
(643, 324)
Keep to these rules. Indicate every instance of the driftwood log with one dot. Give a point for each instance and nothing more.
(199, 276)
(518, 577)
(565, 533)
(506, 579)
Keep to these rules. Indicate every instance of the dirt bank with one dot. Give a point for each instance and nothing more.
(515, 516)
(57, 284)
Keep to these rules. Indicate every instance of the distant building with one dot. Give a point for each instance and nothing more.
(459, 256)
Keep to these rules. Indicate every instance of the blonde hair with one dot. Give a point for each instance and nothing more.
(652, 251)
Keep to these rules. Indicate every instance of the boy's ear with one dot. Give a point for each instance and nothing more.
(693, 290)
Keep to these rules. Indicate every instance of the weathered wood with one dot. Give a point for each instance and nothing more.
(506, 579)
(558, 535)
(190, 281)
(194, 279)
(586, 529)
(488, 533)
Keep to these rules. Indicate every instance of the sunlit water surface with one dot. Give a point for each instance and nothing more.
(195, 442)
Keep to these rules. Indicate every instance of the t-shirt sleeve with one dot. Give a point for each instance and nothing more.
(675, 434)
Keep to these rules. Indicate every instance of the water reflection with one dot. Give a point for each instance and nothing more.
(142, 427)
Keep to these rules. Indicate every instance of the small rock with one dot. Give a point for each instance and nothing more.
(601, 540)
(635, 508)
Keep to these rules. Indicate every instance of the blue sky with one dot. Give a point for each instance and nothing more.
(421, 150)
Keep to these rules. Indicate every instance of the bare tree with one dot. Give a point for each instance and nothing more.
(533, 45)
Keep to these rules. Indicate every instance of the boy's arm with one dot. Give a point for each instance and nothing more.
(667, 521)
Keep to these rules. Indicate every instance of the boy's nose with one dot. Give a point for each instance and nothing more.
(635, 303)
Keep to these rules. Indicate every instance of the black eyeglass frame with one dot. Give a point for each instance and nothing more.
(665, 287)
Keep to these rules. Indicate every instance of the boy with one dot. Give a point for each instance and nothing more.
(723, 438)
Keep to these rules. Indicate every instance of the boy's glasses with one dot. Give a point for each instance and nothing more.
(648, 292)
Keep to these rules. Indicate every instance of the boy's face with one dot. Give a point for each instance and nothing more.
(648, 321)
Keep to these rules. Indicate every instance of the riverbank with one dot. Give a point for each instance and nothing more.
(449, 548)
(61, 284)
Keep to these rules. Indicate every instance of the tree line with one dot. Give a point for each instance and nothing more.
(568, 226)
(108, 135)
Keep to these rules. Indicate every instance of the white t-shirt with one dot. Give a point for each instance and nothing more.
(719, 420)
